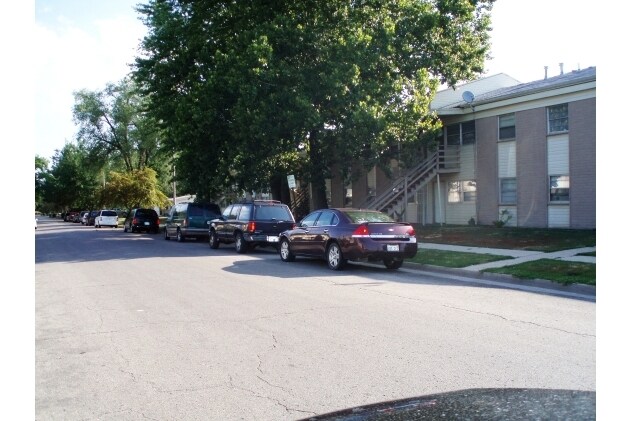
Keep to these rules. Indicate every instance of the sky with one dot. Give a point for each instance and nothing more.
(85, 45)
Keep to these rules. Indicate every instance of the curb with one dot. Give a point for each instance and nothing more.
(500, 277)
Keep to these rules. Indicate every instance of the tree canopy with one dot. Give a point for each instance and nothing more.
(137, 188)
(251, 91)
(114, 125)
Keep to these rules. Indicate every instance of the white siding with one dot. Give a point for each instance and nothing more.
(512, 222)
(558, 155)
(467, 162)
(558, 216)
(460, 213)
(507, 159)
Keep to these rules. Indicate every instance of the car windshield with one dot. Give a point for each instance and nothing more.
(361, 216)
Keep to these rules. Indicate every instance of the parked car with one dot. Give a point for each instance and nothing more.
(84, 217)
(106, 218)
(142, 219)
(71, 214)
(250, 224)
(91, 217)
(190, 220)
(343, 234)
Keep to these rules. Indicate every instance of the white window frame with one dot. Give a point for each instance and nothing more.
(462, 191)
(502, 121)
(557, 119)
(550, 194)
(503, 201)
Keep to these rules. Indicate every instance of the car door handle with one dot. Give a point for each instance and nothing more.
(325, 230)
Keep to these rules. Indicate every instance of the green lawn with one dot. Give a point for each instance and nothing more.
(453, 259)
(560, 271)
(536, 239)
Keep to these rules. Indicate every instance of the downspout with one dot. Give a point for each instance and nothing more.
(440, 207)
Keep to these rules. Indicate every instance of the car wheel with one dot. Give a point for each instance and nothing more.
(166, 234)
(392, 263)
(180, 237)
(285, 253)
(334, 257)
(213, 240)
(239, 243)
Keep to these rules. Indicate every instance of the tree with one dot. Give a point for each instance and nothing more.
(246, 88)
(42, 177)
(114, 125)
(137, 188)
(73, 182)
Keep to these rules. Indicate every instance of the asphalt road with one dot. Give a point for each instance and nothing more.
(130, 326)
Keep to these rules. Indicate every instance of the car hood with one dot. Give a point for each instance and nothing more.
(474, 404)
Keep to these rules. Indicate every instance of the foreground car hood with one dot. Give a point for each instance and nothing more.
(478, 404)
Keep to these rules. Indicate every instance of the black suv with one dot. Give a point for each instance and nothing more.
(251, 223)
(142, 219)
(190, 220)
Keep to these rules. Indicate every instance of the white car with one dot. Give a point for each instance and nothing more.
(106, 218)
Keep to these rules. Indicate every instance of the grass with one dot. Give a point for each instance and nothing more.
(535, 239)
(453, 259)
(554, 270)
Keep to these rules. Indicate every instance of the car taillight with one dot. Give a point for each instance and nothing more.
(158, 221)
(134, 221)
(185, 223)
(411, 232)
(361, 231)
(251, 226)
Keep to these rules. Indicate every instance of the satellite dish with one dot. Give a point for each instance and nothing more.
(468, 97)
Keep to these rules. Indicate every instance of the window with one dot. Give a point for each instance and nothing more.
(557, 119)
(507, 126)
(560, 188)
(508, 191)
(326, 219)
(310, 219)
(462, 191)
(461, 133)
(468, 133)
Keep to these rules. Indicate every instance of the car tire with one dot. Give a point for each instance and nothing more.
(179, 236)
(239, 243)
(166, 234)
(393, 263)
(285, 252)
(213, 240)
(334, 257)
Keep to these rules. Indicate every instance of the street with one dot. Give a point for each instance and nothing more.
(130, 326)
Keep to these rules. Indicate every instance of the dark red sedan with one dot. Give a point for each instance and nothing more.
(340, 235)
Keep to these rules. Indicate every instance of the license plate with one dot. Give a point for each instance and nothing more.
(272, 239)
(392, 247)
(147, 223)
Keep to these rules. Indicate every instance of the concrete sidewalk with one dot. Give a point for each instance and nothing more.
(518, 256)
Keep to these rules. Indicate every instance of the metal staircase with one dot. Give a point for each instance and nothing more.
(392, 200)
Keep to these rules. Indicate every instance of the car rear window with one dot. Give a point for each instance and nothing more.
(109, 213)
(361, 216)
(145, 212)
(268, 213)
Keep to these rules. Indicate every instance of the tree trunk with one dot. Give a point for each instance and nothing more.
(318, 184)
